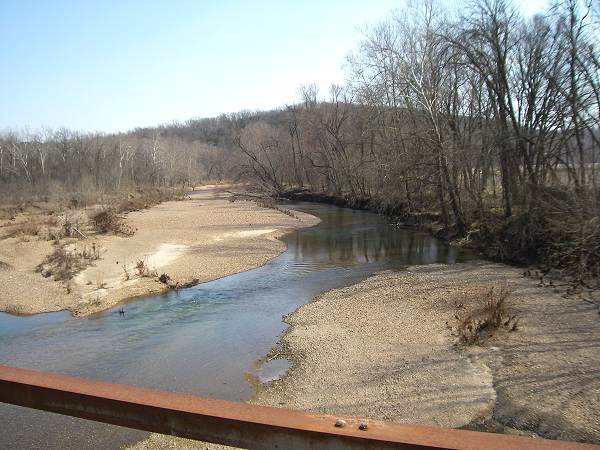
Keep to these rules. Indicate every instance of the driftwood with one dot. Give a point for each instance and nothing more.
(80, 233)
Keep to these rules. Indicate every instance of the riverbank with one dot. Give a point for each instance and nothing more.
(192, 241)
(385, 349)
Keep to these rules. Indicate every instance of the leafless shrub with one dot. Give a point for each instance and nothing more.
(91, 254)
(4, 266)
(145, 198)
(126, 274)
(107, 220)
(187, 284)
(29, 228)
(144, 271)
(63, 263)
(573, 234)
(475, 326)
(164, 278)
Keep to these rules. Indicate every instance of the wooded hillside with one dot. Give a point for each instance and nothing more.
(485, 121)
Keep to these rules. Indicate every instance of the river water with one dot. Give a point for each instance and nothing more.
(204, 340)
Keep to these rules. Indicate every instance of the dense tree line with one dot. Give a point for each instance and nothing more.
(487, 118)
(33, 163)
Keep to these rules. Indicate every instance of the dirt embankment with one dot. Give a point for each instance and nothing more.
(384, 349)
(196, 240)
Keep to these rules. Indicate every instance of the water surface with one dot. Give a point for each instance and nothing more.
(206, 339)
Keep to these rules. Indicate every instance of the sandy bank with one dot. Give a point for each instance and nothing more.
(204, 238)
(382, 349)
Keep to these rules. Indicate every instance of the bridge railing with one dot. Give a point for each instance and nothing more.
(238, 424)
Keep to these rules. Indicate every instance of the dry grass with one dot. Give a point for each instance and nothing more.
(107, 220)
(53, 217)
(144, 271)
(64, 263)
(482, 322)
(31, 226)
(145, 198)
(46, 226)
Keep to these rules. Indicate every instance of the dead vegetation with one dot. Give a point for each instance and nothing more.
(144, 271)
(126, 274)
(490, 313)
(75, 218)
(43, 227)
(78, 215)
(164, 279)
(146, 198)
(263, 202)
(107, 220)
(64, 262)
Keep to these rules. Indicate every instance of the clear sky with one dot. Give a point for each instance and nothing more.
(113, 65)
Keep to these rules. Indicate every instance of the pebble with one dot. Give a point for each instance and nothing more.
(340, 423)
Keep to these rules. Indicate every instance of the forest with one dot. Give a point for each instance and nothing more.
(482, 122)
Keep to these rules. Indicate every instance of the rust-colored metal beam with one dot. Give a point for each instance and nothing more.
(237, 424)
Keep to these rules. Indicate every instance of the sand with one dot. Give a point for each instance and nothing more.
(22, 289)
(384, 348)
(195, 240)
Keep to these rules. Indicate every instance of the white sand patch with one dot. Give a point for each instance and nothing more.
(245, 234)
(112, 277)
(166, 254)
(252, 233)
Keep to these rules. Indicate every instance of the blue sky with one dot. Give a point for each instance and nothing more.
(114, 65)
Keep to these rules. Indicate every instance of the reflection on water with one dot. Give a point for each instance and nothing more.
(201, 340)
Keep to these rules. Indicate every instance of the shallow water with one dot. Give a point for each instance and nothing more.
(204, 340)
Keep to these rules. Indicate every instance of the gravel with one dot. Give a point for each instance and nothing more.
(385, 348)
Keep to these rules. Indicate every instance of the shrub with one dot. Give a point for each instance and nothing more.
(63, 263)
(33, 226)
(164, 278)
(475, 326)
(90, 254)
(126, 272)
(143, 270)
(145, 198)
(107, 220)
(561, 230)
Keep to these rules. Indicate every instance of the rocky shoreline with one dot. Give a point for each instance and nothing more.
(385, 348)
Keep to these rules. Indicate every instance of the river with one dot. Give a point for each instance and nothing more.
(205, 340)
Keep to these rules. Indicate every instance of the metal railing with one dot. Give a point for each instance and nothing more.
(238, 424)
